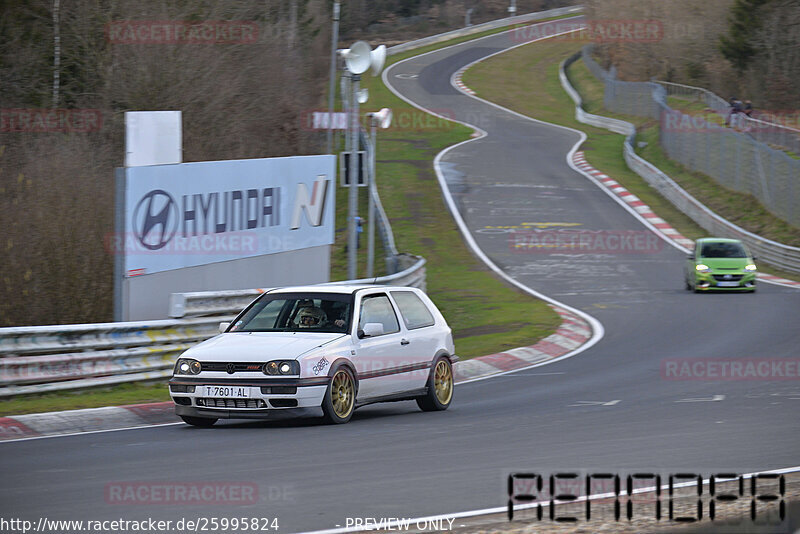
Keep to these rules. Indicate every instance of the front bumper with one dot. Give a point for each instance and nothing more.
(265, 397)
(715, 281)
(194, 411)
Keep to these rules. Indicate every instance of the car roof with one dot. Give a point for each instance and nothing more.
(335, 289)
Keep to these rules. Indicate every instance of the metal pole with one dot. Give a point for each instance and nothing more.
(332, 89)
(352, 258)
(345, 88)
(372, 192)
(56, 51)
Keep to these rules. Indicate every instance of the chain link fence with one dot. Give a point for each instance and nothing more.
(736, 160)
(766, 127)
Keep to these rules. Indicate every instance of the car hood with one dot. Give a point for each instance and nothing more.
(258, 346)
(726, 263)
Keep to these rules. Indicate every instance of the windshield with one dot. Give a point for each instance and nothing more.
(723, 250)
(297, 312)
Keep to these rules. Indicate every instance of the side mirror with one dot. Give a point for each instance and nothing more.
(223, 327)
(755, 258)
(371, 330)
(691, 256)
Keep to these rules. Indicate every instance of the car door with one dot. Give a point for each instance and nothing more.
(382, 361)
(424, 338)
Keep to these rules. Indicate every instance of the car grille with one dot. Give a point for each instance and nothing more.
(727, 277)
(211, 402)
(235, 367)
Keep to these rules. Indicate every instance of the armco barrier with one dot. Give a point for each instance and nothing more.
(777, 254)
(230, 302)
(39, 359)
(734, 157)
(478, 28)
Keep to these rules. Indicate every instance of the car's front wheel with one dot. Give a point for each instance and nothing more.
(440, 387)
(198, 421)
(340, 397)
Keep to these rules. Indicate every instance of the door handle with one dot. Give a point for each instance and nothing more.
(404, 342)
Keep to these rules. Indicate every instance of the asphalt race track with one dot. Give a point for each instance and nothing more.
(395, 461)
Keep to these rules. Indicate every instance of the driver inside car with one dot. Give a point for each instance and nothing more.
(313, 317)
(310, 317)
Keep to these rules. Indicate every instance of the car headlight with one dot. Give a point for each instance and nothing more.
(186, 366)
(703, 268)
(750, 267)
(282, 367)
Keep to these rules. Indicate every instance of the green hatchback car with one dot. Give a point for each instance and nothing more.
(720, 264)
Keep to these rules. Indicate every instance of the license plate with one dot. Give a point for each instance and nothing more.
(228, 392)
(727, 284)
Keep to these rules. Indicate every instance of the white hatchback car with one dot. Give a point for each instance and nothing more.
(330, 347)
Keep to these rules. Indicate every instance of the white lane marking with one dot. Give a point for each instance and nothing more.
(545, 504)
(596, 403)
(715, 398)
(406, 76)
(468, 238)
(643, 220)
(91, 432)
(597, 328)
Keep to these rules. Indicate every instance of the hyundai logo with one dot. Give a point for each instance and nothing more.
(155, 219)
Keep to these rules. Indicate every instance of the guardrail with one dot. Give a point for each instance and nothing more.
(478, 28)
(384, 226)
(36, 359)
(40, 359)
(772, 252)
(230, 302)
(733, 157)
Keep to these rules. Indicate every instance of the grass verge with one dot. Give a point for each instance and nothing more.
(483, 312)
(133, 393)
(526, 80)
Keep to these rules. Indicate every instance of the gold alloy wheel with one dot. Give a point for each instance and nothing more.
(342, 394)
(443, 382)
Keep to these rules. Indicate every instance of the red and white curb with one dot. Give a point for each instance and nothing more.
(648, 214)
(573, 332)
(88, 420)
(778, 280)
(460, 83)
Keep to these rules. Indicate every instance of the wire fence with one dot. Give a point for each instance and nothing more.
(736, 160)
(764, 126)
(777, 254)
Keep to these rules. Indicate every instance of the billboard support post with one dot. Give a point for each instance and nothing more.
(352, 242)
